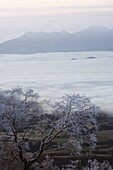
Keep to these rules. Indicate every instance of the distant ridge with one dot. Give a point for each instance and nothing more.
(95, 38)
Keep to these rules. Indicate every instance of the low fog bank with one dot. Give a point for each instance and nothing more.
(56, 74)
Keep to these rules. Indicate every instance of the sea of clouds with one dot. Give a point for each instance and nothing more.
(56, 74)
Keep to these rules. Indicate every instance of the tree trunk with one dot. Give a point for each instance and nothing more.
(26, 165)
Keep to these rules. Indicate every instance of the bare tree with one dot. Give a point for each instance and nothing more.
(73, 116)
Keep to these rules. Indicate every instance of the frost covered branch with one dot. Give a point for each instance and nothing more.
(20, 112)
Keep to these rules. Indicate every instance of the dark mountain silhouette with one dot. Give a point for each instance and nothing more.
(95, 38)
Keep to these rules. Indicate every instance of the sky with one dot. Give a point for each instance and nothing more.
(20, 16)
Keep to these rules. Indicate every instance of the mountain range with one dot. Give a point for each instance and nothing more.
(95, 38)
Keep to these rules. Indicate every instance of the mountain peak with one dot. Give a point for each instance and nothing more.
(96, 28)
(94, 38)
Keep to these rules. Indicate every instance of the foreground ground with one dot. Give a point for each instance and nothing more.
(104, 150)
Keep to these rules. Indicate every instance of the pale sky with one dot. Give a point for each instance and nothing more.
(20, 16)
